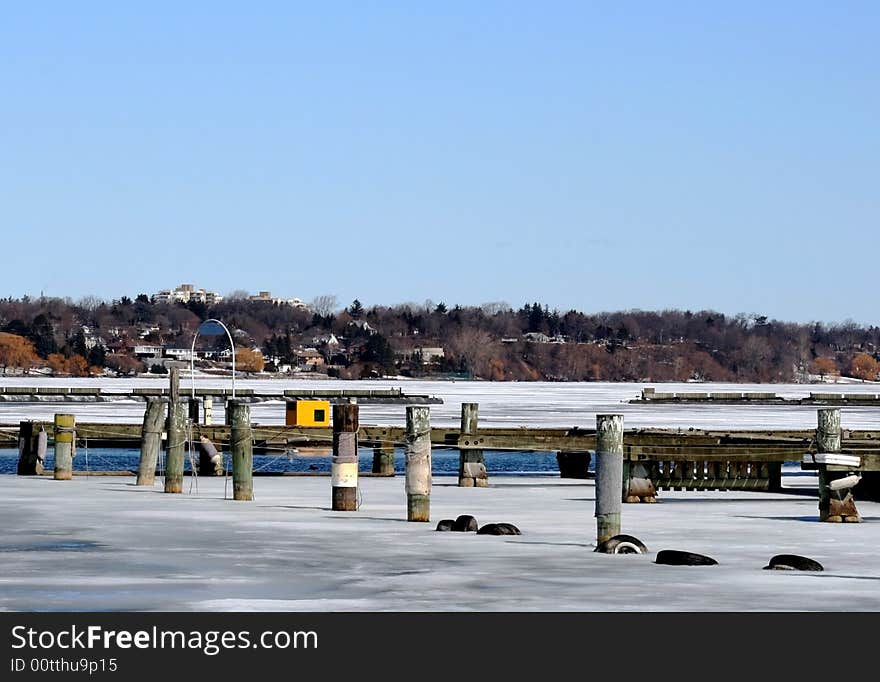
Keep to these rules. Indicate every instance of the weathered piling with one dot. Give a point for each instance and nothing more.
(834, 506)
(175, 447)
(609, 475)
(65, 437)
(344, 465)
(471, 465)
(29, 461)
(383, 458)
(208, 405)
(242, 446)
(151, 441)
(418, 463)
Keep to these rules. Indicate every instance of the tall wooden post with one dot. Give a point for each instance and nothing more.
(65, 436)
(176, 446)
(208, 404)
(471, 465)
(151, 441)
(609, 475)
(242, 450)
(840, 506)
(344, 466)
(418, 463)
(29, 461)
(827, 440)
(383, 458)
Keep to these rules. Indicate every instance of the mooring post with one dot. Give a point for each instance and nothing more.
(609, 475)
(471, 465)
(241, 444)
(151, 441)
(344, 465)
(29, 461)
(828, 439)
(176, 445)
(383, 458)
(208, 405)
(418, 463)
(65, 436)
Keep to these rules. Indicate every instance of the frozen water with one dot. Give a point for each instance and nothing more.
(501, 403)
(139, 549)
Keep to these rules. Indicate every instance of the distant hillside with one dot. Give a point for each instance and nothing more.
(493, 341)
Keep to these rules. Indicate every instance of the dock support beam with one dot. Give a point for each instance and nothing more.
(418, 463)
(383, 458)
(65, 438)
(471, 465)
(609, 475)
(193, 407)
(242, 447)
(151, 441)
(344, 465)
(29, 461)
(831, 507)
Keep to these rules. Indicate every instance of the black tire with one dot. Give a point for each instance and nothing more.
(465, 524)
(499, 529)
(446, 524)
(622, 544)
(793, 562)
(674, 557)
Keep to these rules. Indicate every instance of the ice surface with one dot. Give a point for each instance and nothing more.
(501, 403)
(102, 543)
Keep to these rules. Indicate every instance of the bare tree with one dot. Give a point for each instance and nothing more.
(325, 304)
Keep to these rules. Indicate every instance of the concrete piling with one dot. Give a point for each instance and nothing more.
(344, 465)
(609, 475)
(242, 447)
(65, 437)
(471, 465)
(418, 463)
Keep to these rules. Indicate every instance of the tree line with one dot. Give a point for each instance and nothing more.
(491, 341)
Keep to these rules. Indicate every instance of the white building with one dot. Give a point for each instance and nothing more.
(186, 293)
(266, 297)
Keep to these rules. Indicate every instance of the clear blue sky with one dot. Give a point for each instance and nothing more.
(590, 155)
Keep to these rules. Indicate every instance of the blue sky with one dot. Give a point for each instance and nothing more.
(597, 156)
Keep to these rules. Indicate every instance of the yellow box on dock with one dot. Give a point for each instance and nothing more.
(308, 413)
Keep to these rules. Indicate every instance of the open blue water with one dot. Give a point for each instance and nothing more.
(443, 461)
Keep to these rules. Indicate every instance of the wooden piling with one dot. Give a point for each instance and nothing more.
(65, 437)
(833, 507)
(208, 405)
(383, 458)
(609, 475)
(344, 465)
(151, 441)
(471, 465)
(242, 447)
(418, 463)
(175, 448)
(29, 461)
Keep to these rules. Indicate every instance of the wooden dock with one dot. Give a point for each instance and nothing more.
(652, 397)
(78, 394)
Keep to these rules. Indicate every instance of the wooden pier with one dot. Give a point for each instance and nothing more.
(651, 396)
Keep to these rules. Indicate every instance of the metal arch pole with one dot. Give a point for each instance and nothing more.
(192, 356)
